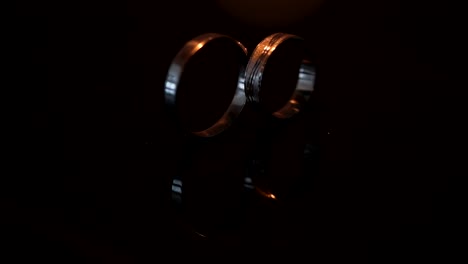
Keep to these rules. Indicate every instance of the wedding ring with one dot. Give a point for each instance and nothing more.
(274, 55)
(224, 50)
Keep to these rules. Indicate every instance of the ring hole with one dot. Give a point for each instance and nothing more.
(281, 74)
(208, 84)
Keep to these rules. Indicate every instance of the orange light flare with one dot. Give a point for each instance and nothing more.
(266, 194)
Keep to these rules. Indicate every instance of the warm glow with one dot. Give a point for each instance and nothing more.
(266, 194)
(293, 102)
(267, 48)
(270, 12)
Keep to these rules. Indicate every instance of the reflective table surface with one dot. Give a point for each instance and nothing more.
(358, 176)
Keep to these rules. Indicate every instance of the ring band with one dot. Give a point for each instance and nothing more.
(175, 73)
(255, 72)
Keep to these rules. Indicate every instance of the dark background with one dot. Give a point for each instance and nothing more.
(93, 185)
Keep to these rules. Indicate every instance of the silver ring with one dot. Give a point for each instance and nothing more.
(176, 71)
(255, 71)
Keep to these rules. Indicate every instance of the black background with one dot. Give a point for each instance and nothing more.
(100, 150)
